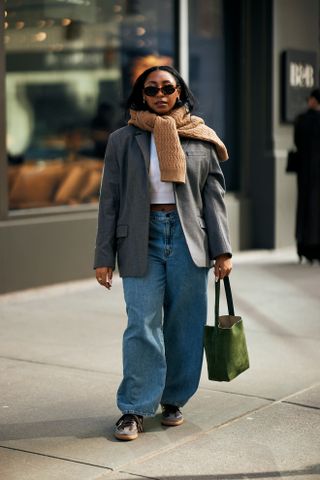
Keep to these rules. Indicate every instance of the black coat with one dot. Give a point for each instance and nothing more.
(307, 140)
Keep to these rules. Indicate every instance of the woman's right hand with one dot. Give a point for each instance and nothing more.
(104, 276)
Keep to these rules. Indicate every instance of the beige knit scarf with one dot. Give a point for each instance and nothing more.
(166, 130)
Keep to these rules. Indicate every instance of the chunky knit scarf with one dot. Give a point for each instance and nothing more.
(166, 130)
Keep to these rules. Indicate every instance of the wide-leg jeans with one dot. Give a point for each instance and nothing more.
(167, 311)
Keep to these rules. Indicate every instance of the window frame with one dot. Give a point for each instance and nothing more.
(4, 204)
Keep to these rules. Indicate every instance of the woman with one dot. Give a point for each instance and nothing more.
(162, 213)
(307, 141)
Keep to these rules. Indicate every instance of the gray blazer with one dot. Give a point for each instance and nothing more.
(124, 208)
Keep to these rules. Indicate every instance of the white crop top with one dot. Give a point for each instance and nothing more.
(160, 192)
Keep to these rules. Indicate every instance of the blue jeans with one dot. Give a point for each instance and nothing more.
(167, 311)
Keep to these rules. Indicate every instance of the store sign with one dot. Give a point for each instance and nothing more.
(299, 77)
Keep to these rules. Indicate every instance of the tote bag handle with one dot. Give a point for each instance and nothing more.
(227, 288)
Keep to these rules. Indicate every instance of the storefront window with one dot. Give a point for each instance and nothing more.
(70, 64)
(206, 60)
(209, 29)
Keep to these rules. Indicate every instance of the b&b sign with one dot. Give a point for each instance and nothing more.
(299, 77)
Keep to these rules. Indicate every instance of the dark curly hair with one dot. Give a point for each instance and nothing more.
(135, 99)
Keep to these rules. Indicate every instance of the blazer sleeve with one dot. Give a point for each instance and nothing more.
(105, 250)
(214, 210)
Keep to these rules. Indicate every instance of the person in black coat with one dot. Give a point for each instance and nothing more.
(307, 141)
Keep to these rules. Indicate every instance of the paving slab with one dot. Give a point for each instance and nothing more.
(15, 465)
(269, 295)
(44, 400)
(60, 355)
(70, 414)
(280, 306)
(121, 476)
(279, 366)
(279, 441)
(79, 326)
(309, 398)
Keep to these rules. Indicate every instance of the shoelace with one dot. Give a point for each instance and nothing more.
(128, 419)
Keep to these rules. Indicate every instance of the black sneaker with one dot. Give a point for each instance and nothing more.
(171, 416)
(128, 427)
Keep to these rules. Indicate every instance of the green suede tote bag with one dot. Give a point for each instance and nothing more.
(225, 343)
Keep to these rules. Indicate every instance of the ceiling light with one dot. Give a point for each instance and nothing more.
(140, 31)
(65, 22)
(40, 36)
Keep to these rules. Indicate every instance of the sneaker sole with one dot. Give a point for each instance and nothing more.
(171, 423)
(121, 436)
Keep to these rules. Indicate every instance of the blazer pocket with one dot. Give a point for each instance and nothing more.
(202, 223)
(122, 231)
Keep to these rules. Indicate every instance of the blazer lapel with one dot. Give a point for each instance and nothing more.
(143, 139)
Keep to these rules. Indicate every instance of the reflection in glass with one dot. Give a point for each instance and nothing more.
(69, 67)
(206, 60)
(212, 46)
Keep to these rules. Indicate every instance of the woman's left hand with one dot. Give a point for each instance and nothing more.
(222, 266)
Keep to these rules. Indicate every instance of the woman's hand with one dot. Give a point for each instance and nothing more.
(222, 266)
(104, 276)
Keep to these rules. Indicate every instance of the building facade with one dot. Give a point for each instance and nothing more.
(67, 66)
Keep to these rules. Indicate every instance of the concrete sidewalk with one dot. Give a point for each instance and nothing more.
(60, 358)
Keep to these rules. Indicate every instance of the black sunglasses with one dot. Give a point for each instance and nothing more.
(166, 90)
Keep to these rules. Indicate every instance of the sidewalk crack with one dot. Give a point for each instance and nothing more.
(138, 475)
(195, 436)
(70, 460)
(70, 367)
(313, 407)
(246, 395)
